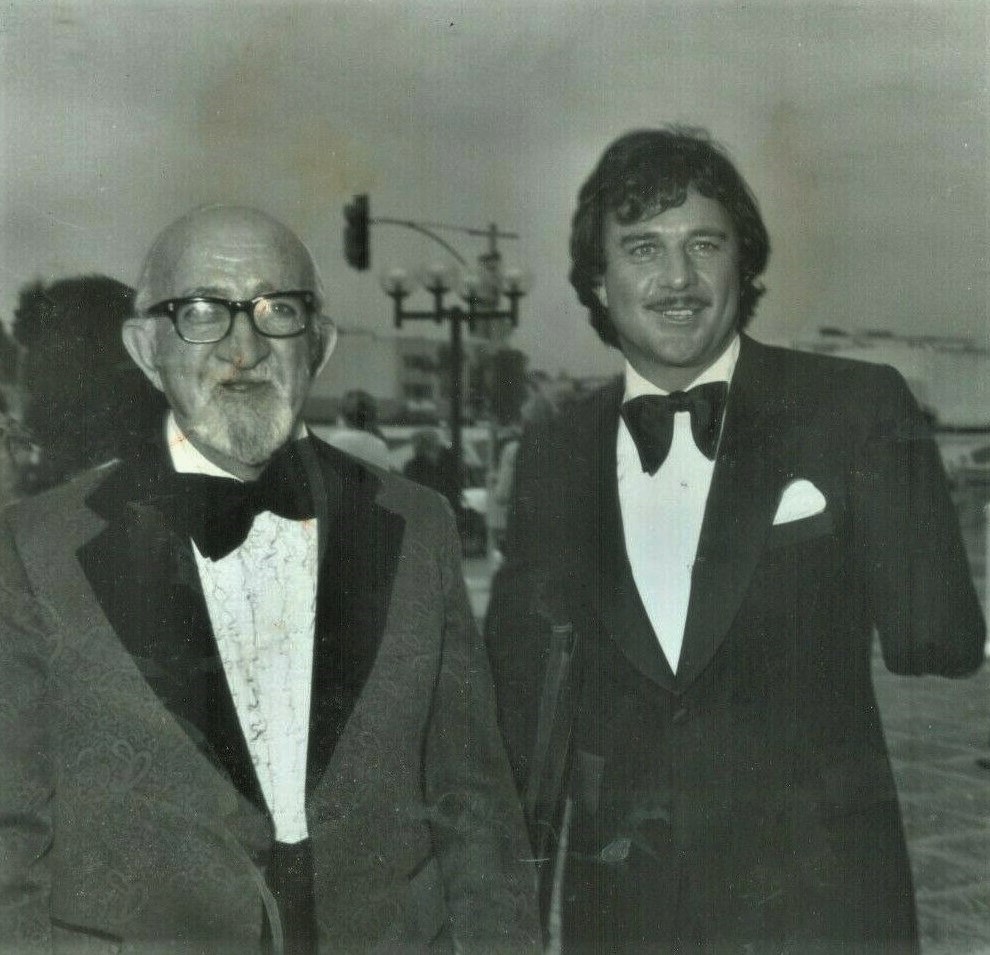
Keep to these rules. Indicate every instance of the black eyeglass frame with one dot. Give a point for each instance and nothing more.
(170, 309)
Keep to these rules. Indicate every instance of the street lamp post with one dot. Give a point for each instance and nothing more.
(482, 291)
(439, 282)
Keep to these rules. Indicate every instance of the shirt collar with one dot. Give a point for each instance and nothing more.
(187, 459)
(719, 370)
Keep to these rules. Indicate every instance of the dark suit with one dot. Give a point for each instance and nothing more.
(131, 818)
(748, 800)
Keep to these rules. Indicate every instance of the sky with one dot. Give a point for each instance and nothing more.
(862, 128)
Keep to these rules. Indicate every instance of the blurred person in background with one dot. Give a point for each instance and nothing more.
(18, 453)
(433, 465)
(359, 434)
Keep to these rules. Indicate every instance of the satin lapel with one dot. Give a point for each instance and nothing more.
(745, 488)
(619, 605)
(360, 548)
(146, 581)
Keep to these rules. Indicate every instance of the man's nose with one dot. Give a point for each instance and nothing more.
(243, 346)
(677, 271)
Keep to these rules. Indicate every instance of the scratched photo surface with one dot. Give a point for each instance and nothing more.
(862, 128)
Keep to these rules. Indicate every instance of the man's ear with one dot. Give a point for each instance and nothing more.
(140, 337)
(601, 295)
(324, 344)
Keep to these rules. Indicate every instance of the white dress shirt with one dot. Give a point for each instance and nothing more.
(662, 513)
(262, 603)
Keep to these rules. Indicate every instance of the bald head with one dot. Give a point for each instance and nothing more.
(237, 397)
(223, 250)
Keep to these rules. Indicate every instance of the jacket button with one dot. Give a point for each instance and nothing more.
(679, 716)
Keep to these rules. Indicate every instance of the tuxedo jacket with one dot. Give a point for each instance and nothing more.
(746, 800)
(131, 818)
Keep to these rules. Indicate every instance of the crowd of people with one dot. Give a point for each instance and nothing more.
(244, 706)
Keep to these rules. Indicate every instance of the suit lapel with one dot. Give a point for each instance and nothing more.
(360, 546)
(146, 581)
(616, 600)
(745, 488)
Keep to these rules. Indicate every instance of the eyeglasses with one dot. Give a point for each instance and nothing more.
(206, 319)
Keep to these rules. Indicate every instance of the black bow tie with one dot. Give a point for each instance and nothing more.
(218, 512)
(650, 420)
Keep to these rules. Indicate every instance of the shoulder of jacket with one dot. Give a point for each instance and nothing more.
(52, 504)
(412, 500)
(576, 415)
(47, 522)
(834, 384)
(815, 364)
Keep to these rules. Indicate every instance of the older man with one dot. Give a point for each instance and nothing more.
(243, 703)
(706, 547)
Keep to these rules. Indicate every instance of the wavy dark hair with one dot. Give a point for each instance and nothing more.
(643, 173)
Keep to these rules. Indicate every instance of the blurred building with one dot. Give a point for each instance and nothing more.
(407, 375)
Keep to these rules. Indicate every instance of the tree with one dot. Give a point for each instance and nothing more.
(83, 397)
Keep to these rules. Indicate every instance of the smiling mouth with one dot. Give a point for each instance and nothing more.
(680, 311)
(243, 385)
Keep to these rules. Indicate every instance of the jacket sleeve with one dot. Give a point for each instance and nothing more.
(26, 774)
(515, 627)
(919, 585)
(478, 830)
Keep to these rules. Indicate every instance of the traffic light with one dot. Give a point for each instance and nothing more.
(357, 248)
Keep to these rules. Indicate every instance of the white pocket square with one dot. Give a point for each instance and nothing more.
(798, 500)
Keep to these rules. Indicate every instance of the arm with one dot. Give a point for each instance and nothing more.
(514, 626)
(26, 777)
(920, 588)
(478, 830)
(532, 635)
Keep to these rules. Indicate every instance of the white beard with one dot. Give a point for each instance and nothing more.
(248, 428)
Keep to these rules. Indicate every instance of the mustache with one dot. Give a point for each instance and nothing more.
(677, 301)
(256, 376)
(248, 388)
